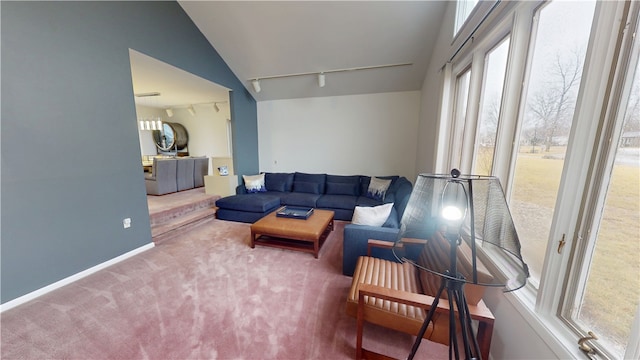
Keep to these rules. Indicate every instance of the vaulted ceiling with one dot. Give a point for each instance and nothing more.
(263, 39)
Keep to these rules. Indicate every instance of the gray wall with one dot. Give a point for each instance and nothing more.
(70, 170)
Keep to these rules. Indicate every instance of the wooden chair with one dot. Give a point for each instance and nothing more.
(399, 295)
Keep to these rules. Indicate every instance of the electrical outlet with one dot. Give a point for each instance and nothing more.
(126, 223)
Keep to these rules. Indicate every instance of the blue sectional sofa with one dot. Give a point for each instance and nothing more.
(338, 193)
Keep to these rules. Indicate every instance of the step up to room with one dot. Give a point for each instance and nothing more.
(173, 213)
(179, 224)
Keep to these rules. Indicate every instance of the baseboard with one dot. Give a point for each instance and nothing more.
(68, 280)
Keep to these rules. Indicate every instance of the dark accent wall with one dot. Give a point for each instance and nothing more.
(70, 169)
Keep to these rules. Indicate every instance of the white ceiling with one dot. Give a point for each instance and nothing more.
(269, 38)
(177, 87)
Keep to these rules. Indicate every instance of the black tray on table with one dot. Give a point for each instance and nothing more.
(293, 212)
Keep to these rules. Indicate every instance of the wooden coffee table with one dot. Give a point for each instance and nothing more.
(293, 234)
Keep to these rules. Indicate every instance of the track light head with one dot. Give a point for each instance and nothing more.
(321, 79)
(169, 112)
(216, 107)
(256, 85)
(191, 110)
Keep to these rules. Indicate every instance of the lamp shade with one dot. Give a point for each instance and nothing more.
(473, 212)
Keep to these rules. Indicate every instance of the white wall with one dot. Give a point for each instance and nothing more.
(147, 145)
(432, 96)
(207, 129)
(371, 134)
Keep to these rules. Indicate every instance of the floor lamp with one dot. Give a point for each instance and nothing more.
(472, 210)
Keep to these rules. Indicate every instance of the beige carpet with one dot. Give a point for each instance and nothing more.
(203, 295)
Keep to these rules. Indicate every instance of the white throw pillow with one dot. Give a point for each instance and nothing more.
(254, 183)
(371, 215)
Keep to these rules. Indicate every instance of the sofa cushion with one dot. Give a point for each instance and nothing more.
(380, 272)
(254, 183)
(373, 216)
(366, 201)
(392, 221)
(306, 187)
(241, 216)
(259, 203)
(311, 178)
(342, 185)
(299, 199)
(401, 195)
(281, 182)
(346, 202)
(341, 189)
(200, 169)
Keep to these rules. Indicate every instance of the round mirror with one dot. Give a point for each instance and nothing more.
(173, 136)
(165, 138)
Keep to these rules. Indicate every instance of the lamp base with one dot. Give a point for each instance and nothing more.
(455, 294)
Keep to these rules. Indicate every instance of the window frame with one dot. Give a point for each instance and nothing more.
(597, 182)
(540, 305)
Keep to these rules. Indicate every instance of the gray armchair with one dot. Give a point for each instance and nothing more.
(162, 179)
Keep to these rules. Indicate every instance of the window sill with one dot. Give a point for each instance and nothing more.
(551, 330)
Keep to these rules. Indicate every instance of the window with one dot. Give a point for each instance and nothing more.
(558, 120)
(460, 115)
(495, 67)
(463, 10)
(558, 46)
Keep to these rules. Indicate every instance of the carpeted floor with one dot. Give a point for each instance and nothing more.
(158, 204)
(203, 295)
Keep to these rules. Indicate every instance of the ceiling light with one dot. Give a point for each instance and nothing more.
(256, 85)
(169, 112)
(321, 79)
(191, 110)
(215, 107)
(154, 93)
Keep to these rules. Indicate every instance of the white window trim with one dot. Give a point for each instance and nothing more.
(602, 160)
(540, 309)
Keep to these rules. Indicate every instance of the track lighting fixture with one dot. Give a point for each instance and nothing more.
(215, 107)
(321, 79)
(321, 76)
(256, 85)
(169, 112)
(191, 110)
